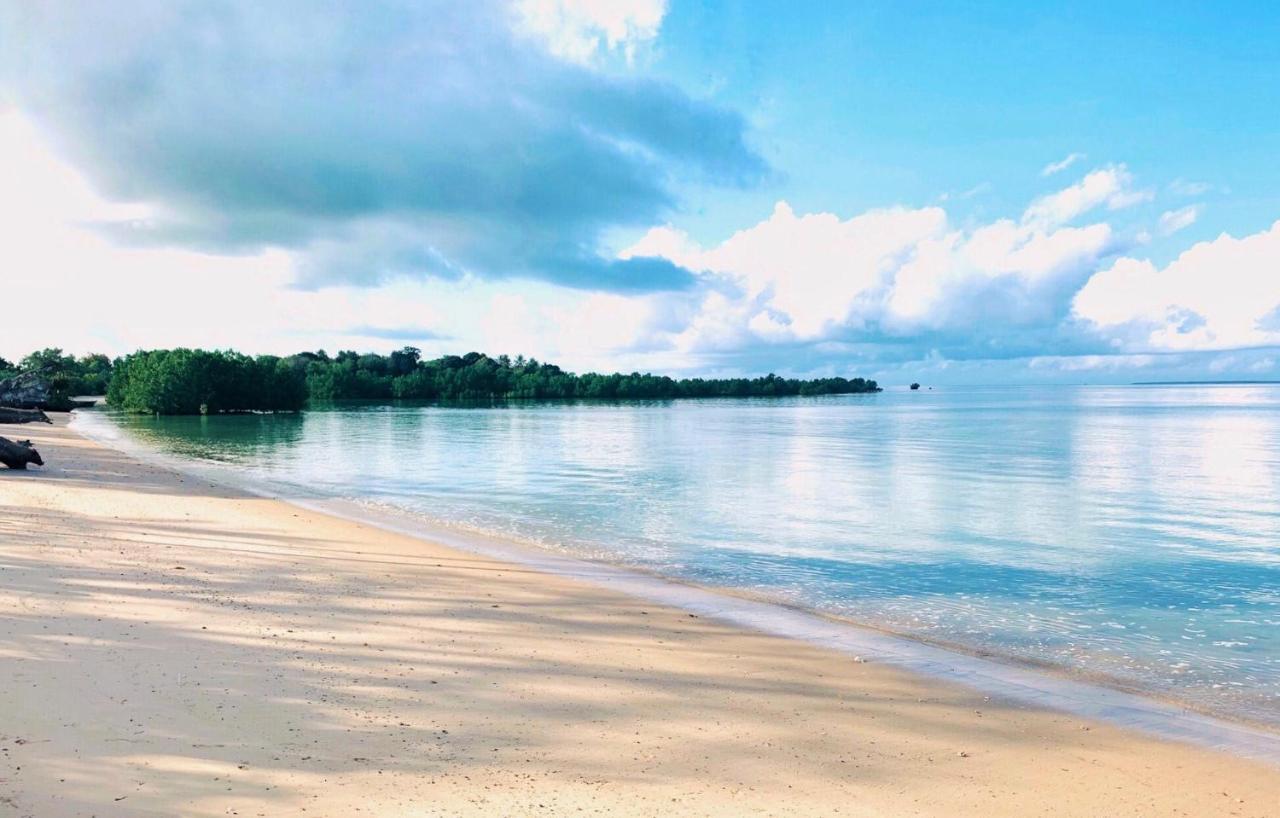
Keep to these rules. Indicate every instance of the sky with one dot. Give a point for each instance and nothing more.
(947, 193)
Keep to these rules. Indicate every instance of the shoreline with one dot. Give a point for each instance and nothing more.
(1039, 684)
(175, 647)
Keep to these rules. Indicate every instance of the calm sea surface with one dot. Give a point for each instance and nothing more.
(1131, 532)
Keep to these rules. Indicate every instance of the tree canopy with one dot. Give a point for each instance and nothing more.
(195, 381)
(476, 376)
(192, 381)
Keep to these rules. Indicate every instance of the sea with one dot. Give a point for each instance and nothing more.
(1126, 534)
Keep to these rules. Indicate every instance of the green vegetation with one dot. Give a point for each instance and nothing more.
(187, 381)
(193, 381)
(476, 376)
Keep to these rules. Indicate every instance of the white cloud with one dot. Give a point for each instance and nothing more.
(797, 291)
(1091, 363)
(1062, 164)
(1111, 186)
(1219, 294)
(604, 323)
(809, 271)
(976, 190)
(1171, 221)
(84, 293)
(40, 191)
(582, 30)
(883, 275)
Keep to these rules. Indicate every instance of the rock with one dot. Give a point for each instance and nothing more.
(25, 391)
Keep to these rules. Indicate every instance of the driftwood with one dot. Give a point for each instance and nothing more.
(12, 415)
(18, 455)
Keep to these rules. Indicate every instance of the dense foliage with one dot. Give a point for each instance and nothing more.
(188, 381)
(476, 376)
(194, 381)
(67, 376)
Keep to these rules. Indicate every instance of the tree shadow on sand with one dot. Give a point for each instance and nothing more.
(317, 661)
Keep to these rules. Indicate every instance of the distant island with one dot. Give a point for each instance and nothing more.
(195, 381)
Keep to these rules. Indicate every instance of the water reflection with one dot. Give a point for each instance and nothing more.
(1133, 531)
(228, 438)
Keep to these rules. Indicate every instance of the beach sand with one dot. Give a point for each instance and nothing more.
(172, 648)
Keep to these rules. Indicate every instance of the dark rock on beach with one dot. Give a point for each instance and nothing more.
(25, 391)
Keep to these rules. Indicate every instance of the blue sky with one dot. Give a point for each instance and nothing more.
(864, 105)
(983, 192)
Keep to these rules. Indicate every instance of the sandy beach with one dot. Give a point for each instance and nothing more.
(174, 648)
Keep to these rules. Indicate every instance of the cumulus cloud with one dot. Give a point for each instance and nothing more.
(1219, 294)
(896, 282)
(376, 142)
(1062, 164)
(800, 275)
(900, 285)
(904, 284)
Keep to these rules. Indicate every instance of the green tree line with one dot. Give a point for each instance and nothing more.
(188, 381)
(476, 376)
(196, 381)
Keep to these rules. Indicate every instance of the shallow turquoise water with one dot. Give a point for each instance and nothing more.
(1131, 532)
